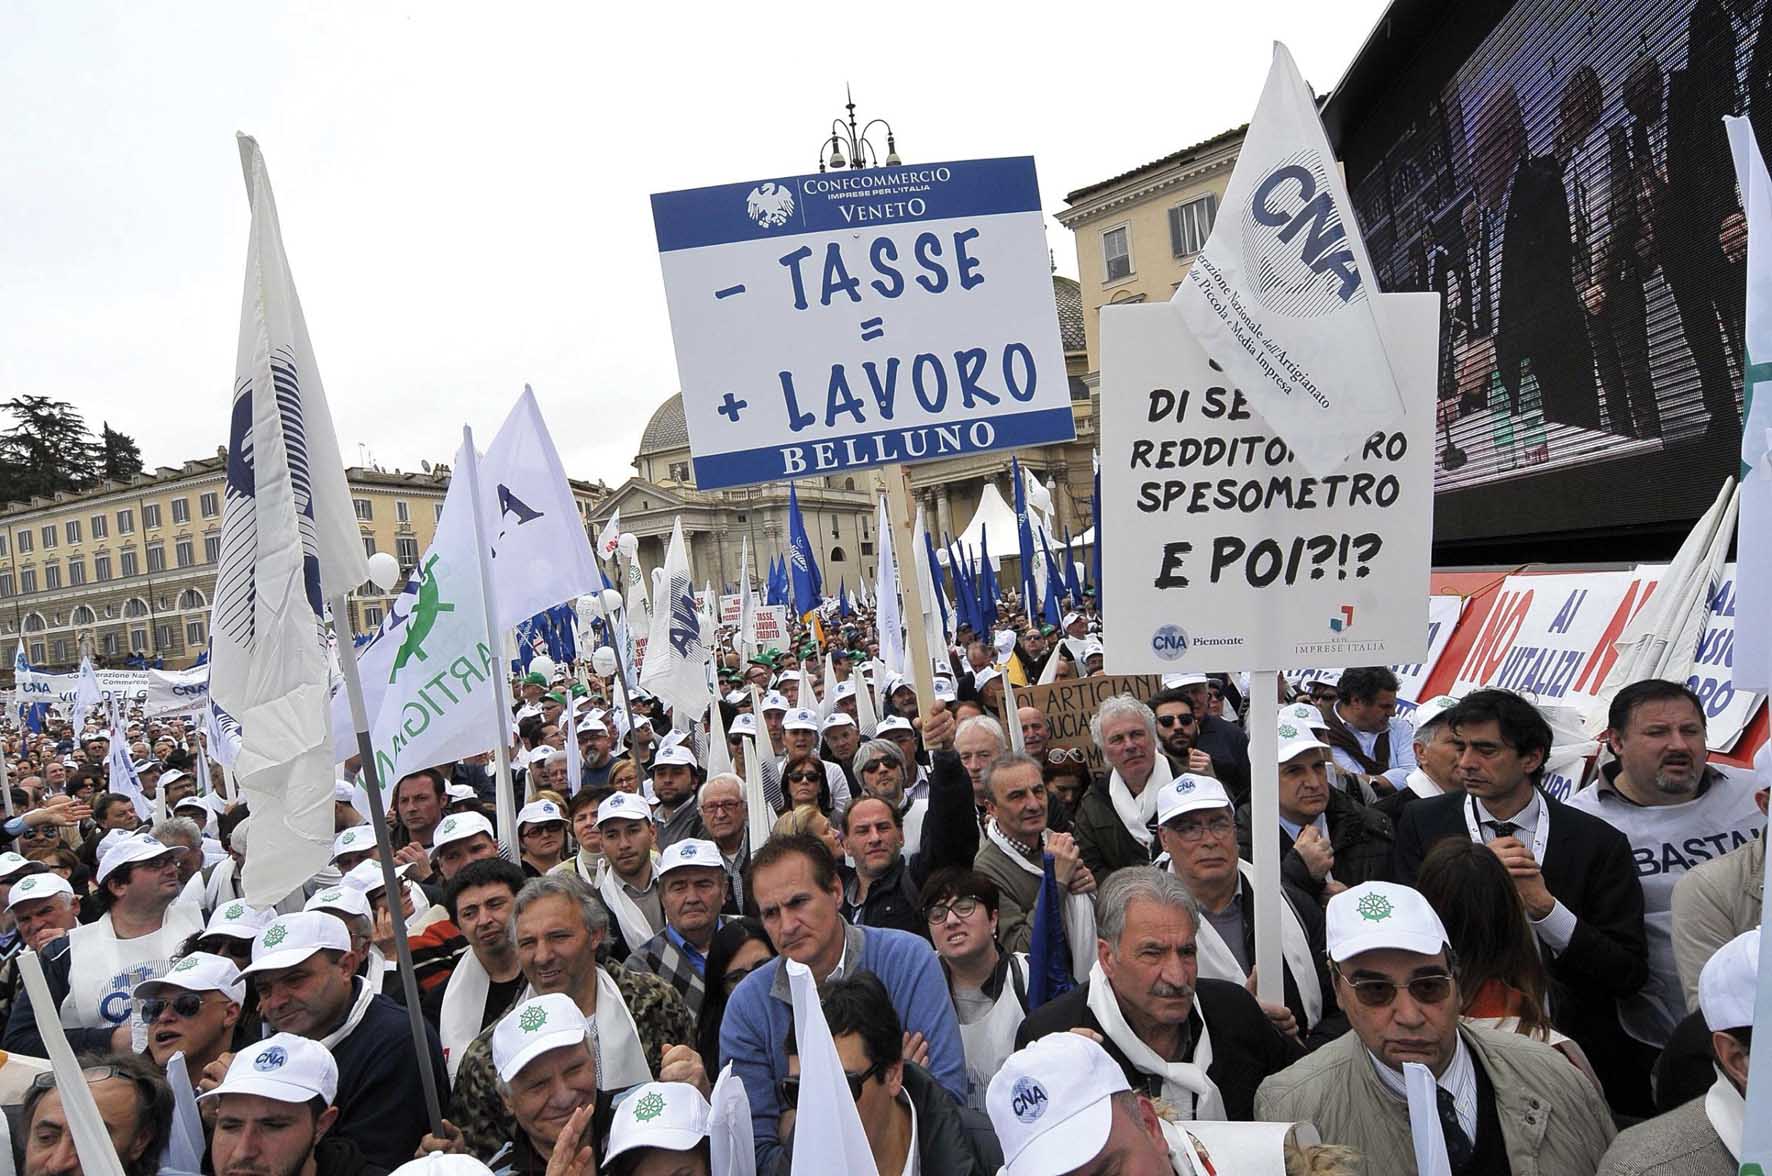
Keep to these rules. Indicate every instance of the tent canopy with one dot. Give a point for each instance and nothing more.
(997, 519)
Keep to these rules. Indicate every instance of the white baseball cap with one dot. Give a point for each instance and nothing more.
(290, 939)
(692, 851)
(1375, 915)
(1051, 1104)
(897, 682)
(893, 723)
(355, 839)
(985, 677)
(34, 886)
(172, 777)
(787, 676)
(672, 1116)
(461, 826)
(282, 1068)
(339, 900)
(1093, 649)
(366, 876)
(1727, 983)
(623, 806)
(1070, 619)
(1432, 709)
(237, 920)
(137, 847)
(456, 793)
(1295, 740)
(745, 724)
(1181, 681)
(534, 1027)
(442, 1164)
(1303, 714)
(838, 719)
(593, 725)
(539, 812)
(775, 701)
(12, 864)
(677, 754)
(800, 719)
(845, 689)
(199, 971)
(1187, 793)
(343, 791)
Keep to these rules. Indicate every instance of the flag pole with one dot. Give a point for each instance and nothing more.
(384, 852)
(898, 512)
(506, 804)
(1264, 814)
(621, 672)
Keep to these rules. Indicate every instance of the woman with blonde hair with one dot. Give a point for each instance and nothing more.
(806, 818)
(622, 777)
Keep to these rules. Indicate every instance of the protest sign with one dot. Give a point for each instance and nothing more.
(1442, 618)
(1240, 556)
(730, 606)
(772, 626)
(848, 319)
(1069, 704)
(128, 686)
(176, 692)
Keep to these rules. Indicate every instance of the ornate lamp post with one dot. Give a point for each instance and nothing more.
(849, 146)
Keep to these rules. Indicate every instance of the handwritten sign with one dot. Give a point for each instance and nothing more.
(1069, 704)
(1235, 553)
(848, 319)
(772, 626)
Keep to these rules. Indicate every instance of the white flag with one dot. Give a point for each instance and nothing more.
(676, 655)
(887, 620)
(289, 543)
(87, 696)
(730, 1137)
(828, 1135)
(1753, 542)
(1281, 296)
(747, 602)
(931, 618)
(609, 539)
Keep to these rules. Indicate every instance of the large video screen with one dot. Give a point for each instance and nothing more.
(1561, 175)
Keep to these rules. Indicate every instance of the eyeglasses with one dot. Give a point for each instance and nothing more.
(48, 1079)
(1059, 755)
(1376, 994)
(1193, 834)
(1176, 720)
(806, 777)
(721, 806)
(185, 1004)
(937, 913)
(731, 980)
(789, 1088)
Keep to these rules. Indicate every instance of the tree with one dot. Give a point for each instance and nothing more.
(121, 459)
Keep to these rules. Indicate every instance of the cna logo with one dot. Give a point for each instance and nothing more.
(1169, 642)
(1342, 621)
(1294, 244)
(770, 205)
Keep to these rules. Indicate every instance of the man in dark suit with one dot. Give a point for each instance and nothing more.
(1573, 873)
(1203, 1045)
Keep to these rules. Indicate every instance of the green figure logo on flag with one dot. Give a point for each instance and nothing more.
(424, 615)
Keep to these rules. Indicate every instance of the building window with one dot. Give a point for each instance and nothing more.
(1190, 224)
(439, 511)
(6, 584)
(27, 581)
(406, 551)
(100, 526)
(679, 471)
(837, 555)
(369, 545)
(71, 529)
(835, 533)
(49, 537)
(101, 568)
(138, 641)
(211, 548)
(129, 564)
(364, 509)
(1116, 252)
(37, 652)
(194, 633)
(135, 606)
(150, 516)
(372, 616)
(24, 542)
(191, 599)
(76, 572)
(84, 616)
(210, 504)
(402, 512)
(181, 553)
(59, 649)
(867, 549)
(126, 522)
(52, 577)
(163, 638)
(156, 557)
(109, 644)
(34, 623)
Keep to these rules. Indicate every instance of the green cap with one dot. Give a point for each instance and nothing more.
(534, 679)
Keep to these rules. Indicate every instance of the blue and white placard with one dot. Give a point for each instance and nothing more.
(846, 319)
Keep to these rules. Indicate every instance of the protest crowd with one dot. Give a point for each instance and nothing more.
(1023, 965)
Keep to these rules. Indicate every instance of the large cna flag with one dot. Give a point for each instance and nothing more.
(289, 543)
(677, 655)
(1281, 296)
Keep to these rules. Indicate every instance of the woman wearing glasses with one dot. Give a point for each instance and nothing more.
(988, 985)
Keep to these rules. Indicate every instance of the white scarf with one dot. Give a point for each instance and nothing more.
(464, 1006)
(1218, 962)
(1422, 784)
(1137, 812)
(1726, 1110)
(1079, 909)
(635, 927)
(1185, 1084)
(358, 1008)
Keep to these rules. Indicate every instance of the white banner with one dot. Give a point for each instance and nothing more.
(175, 692)
(128, 686)
(1239, 556)
(1728, 707)
(848, 319)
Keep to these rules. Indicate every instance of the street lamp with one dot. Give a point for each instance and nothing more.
(855, 141)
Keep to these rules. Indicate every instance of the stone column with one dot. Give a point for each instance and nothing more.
(944, 513)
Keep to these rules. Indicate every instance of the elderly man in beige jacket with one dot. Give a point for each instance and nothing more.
(1503, 1102)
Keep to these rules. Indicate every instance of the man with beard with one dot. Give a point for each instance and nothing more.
(1218, 737)
(1677, 812)
(486, 980)
(1177, 728)
(628, 889)
(275, 1114)
(675, 777)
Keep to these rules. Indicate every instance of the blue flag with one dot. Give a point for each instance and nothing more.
(987, 584)
(843, 609)
(1054, 583)
(1071, 588)
(808, 586)
(1024, 536)
(1049, 954)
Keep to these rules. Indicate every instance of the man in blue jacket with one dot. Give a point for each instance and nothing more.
(794, 880)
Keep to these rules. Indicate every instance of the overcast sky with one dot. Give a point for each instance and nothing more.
(463, 187)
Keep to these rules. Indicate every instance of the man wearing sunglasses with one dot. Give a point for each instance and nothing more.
(1178, 726)
(192, 1009)
(1503, 1101)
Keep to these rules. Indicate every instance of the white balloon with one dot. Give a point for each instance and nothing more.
(611, 601)
(544, 666)
(592, 603)
(603, 661)
(384, 571)
(629, 544)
